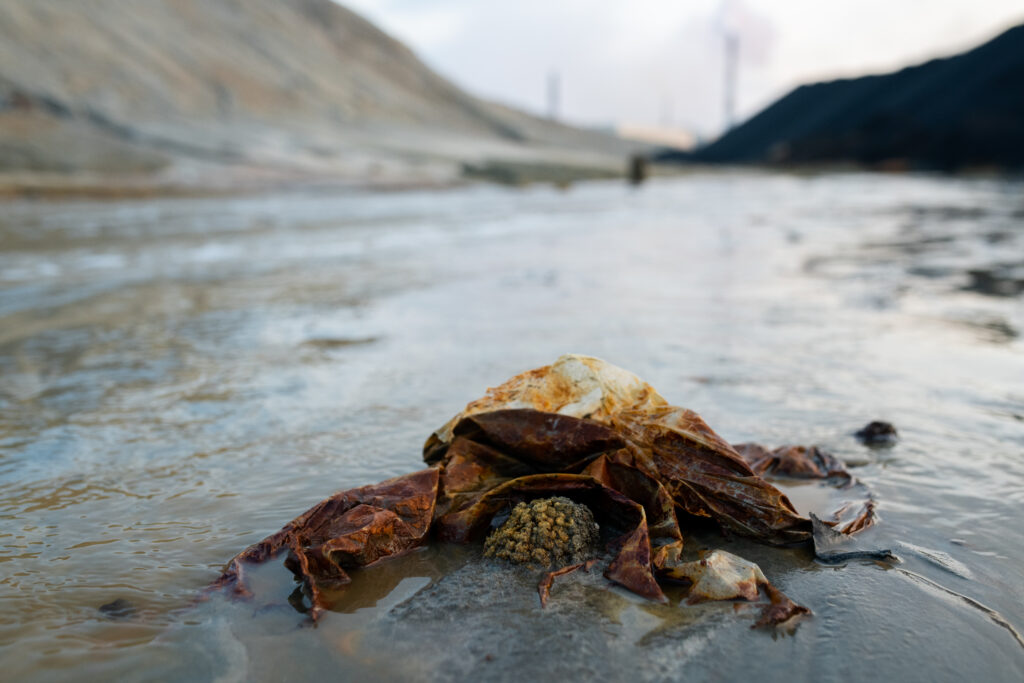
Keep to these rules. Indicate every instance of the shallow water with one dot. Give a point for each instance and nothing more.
(179, 378)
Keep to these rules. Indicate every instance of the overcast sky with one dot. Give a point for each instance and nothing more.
(661, 61)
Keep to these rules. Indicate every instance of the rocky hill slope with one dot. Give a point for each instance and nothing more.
(189, 89)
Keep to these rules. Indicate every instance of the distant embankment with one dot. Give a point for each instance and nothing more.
(965, 111)
(202, 90)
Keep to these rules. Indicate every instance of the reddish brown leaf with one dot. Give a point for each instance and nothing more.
(551, 442)
(615, 470)
(350, 529)
(706, 477)
(802, 462)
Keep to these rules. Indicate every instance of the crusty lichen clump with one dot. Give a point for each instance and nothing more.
(549, 532)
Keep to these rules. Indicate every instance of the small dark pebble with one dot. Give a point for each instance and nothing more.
(877, 433)
(118, 609)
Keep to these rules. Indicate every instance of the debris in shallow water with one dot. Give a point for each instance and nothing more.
(720, 575)
(118, 609)
(547, 532)
(833, 546)
(350, 529)
(810, 462)
(581, 429)
(856, 516)
(877, 433)
(801, 462)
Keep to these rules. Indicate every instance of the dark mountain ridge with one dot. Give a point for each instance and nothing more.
(952, 113)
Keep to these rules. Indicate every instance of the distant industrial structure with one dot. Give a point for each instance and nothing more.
(732, 51)
(554, 94)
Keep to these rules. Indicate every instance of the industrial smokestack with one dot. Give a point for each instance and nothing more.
(732, 51)
(554, 87)
(739, 28)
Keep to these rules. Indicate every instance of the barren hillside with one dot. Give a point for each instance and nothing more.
(183, 88)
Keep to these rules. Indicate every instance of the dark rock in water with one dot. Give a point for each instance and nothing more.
(833, 547)
(118, 609)
(877, 433)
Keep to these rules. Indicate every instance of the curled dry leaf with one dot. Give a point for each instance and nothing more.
(706, 477)
(720, 575)
(353, 528)
(574, 385)
(802, 462)
(810, 462)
